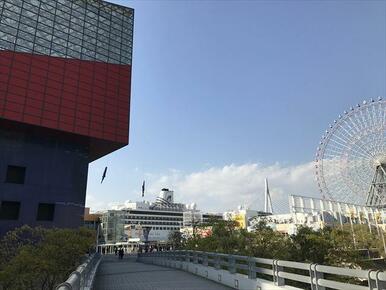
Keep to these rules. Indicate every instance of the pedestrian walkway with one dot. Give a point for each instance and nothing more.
(127, 274)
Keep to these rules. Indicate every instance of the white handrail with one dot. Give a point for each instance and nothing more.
(279, 270)
(83, 276)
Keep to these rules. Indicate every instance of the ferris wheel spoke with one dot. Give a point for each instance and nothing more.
(383, 112)
(354, 124)
(360, 152)
(379, 112)
(362, 148)
(361, 169)
(364, 144)
(341, 127)
(382, 125)
(379, 141)
(375, 114)
(338, 188)
(350, 125)
(370, 111)
(359, 134)
(353, 137)
(374, 141)
(362, 120)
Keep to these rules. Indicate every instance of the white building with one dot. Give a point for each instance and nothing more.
(146, 221)
(243, 216)
(317, 213)
(289, 222)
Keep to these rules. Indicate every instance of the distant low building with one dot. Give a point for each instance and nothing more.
(287, 223)
(243, 216)
(112, 226)
(91, 220)
(203, 232)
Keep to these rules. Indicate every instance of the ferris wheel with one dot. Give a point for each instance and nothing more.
(351, 158)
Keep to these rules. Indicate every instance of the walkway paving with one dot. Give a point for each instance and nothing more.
(127, 274)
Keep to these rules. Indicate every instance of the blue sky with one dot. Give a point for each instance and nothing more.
(226, 92)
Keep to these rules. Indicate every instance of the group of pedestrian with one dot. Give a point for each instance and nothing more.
(120, 252)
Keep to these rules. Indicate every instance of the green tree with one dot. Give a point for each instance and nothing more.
(330, 246)
(271, 244)
(310, 245)
(13, 241)
(43, 262)
(176, 240)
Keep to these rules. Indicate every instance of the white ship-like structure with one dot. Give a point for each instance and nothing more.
(143, 221)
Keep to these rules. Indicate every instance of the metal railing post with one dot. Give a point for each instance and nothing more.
(178, 256)
(374, 280)
(381, 284)
(231, 264)
(312, 277)
(195, 258)
(315, 275)
(251, 268)
(276, 269)
(205, 259)
(217, 261)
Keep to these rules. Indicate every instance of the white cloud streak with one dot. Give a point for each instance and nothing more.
(223, 188)
(218, 189)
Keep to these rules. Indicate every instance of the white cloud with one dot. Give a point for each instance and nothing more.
(223, 188)
(96, 204)
(217, 189)
(93, 203)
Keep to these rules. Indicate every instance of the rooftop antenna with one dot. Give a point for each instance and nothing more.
(267, 199)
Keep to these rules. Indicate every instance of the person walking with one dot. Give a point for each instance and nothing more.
(121, 253)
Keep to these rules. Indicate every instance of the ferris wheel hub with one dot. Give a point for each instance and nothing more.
(380, 161)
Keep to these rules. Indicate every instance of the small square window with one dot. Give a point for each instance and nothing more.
(46, 212)
(9, 210)
(15, 174)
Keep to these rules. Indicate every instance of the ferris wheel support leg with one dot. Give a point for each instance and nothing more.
(353, 233)
(383, 240)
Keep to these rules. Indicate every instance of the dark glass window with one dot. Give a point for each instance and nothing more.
(9, 210)
(15, 174)
(46, 212)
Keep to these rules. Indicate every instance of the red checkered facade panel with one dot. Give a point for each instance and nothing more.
(83, 97)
